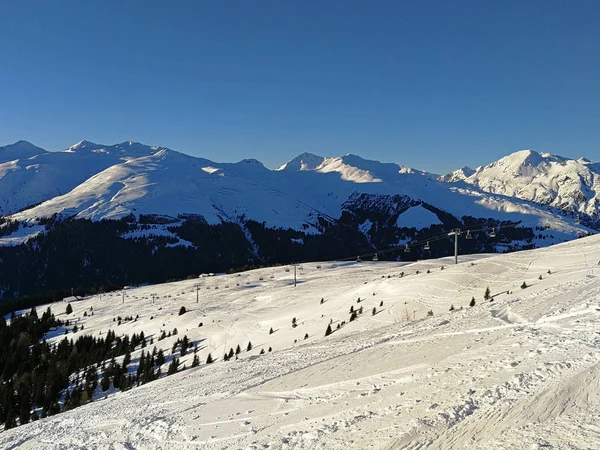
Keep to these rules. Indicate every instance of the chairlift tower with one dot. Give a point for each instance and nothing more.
(295, 266)
(455, 233)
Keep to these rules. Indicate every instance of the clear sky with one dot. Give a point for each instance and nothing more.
(429, 84)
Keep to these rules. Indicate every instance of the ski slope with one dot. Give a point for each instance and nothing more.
(521, 371)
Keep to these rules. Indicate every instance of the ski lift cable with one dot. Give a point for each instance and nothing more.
(439, 237)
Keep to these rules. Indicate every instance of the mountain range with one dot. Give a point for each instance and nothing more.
(96, 181)
(334, 206)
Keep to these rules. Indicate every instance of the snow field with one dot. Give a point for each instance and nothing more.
(519, 372)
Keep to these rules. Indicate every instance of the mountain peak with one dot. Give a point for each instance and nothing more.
(19, 150)
(458, 175)
(81, 145)
(304, 161)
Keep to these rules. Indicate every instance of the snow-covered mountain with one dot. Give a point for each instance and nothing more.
(169, 183)
(19, 150)
(30, 175)
(566, 184)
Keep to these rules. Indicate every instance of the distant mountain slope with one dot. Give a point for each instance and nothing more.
(32, 175)
(566, 184)
(19, 150)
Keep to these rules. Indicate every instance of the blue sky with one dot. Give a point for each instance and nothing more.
(430, 84)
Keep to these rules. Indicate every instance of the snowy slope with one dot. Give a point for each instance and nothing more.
(543, 178)
(35, 175)
(519, 372)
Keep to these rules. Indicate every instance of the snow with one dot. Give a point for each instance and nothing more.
(417, 217)
(522, 371)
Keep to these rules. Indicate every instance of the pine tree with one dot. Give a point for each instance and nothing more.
(231, 353)
(374, 310)
(238, 350)
(451, 307)
(353, 316)
(209, 359)
(294, 324)
(182, 311)
(173, 366)
(105, 382)
(524, 285)
(271, 331)
(472, 302)
(487, 294)
(249, 347)
(160, 358)
(381, 303)
(184, 345)
(306, 336)
(69, 309)
(196, 361)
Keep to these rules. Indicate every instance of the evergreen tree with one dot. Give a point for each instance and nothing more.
(249, 347)
(487, 294)
(184, 345)
(231, 353)
(173, 366)
(238, 350)
(327, 332)
(160, 358)
(105, 382)
(451, 307)
(209, 359)
(195, 361)
(374, 310)
(271, 331)
(69, 309)
(472, 302)
(182, 311)
(353, 316)
(524, 285)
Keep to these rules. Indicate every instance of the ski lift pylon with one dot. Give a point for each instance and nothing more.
(426, 246)
(375, 258)
(468, 235)
(407, 249)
